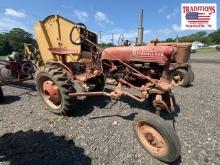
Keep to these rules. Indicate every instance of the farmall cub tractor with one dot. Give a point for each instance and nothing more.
(75, 66)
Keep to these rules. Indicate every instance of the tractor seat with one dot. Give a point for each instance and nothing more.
(61, 51)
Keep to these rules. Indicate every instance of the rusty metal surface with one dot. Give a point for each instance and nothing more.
(53, 36)
(162, 85)
(16, 71)
(87, 75)
(176, 65)
(182, 54)
(113, 56)
(51, 91)
(157, 54)
(62, 51)
(143, 94)
(152, 139)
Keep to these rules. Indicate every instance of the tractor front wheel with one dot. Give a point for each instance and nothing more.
(157, 137)
(53, 85)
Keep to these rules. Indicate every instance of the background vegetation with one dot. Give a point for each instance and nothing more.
(202, 36)
(14, 40)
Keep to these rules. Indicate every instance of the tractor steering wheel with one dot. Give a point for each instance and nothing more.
(121, 40)
(83, 34)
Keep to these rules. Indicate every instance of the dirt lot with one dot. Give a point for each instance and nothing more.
(101, 132)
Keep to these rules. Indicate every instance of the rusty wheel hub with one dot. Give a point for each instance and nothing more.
(152, 140)
(177, 79)
(51, 94)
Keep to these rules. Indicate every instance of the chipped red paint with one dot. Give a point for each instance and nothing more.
(156, 54)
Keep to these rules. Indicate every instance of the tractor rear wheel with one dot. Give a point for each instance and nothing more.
(191, 76)
(1, 94)
(157, 137)
(53, 85)
(180, 77)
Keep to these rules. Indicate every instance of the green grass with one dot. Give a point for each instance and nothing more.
(205, 50)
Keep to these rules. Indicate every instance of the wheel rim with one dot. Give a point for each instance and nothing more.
(152, 139)
(50, 93)
(177, 79)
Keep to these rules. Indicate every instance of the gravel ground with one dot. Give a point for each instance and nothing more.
(101, 132)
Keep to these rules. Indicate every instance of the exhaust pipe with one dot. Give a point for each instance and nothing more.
(140, 37)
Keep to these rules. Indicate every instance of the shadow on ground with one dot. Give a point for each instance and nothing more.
(25, 85)
(38, 147)
(124, 102)
(9, 99)
(87, 105)
(178, 161)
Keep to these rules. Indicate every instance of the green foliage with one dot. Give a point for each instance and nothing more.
(214, 38)
(106, 45)
(5, 47)
(14, 41)
(202, 36)
(199, 36)
(170, 40)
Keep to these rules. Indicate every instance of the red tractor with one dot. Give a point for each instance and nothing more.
(75, 66)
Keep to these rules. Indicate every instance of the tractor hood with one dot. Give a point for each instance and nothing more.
(154, 54)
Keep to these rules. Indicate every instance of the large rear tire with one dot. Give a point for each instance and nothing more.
(157, 137)
(191, 76)
(180, 77)
(53, 85)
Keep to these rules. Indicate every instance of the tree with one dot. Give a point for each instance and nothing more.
(169, 40)
(14, 41)
(214, 38)
(199, 36)
(106, 45)
(5, 48)
(202, 36)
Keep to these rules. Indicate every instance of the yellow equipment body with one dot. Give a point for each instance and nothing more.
(53, 35)
(27, 52)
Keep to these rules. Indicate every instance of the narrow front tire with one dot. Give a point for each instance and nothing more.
(157, 137)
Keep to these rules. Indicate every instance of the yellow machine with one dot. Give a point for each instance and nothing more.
(27, 52)
(56, 35)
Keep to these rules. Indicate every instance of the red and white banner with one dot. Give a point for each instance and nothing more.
(199, 16)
